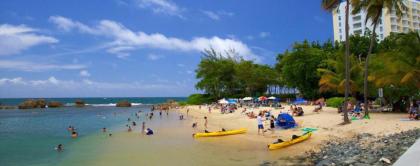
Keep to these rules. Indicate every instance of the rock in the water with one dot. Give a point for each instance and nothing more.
(31, 103)
(79, 103)
(123, 104)
(54, 104)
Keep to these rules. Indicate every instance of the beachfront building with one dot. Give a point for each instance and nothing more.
(389, 22)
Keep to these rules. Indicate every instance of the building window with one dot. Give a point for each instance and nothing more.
(339, 17)
(339, 24)
(341, 37)
(382, 36)
(380, 29)
(339, 30)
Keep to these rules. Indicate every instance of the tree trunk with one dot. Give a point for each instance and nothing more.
(366, 73)
(346, 62)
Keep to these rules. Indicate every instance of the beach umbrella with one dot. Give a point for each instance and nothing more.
(247, 99)
(223, 101)
(272, 98)
(262, 98)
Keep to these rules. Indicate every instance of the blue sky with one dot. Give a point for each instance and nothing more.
(96, 48)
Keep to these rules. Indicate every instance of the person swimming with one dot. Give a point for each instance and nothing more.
(69, 128)
(149, 131)
(59, 148)
(74, 134)
(134, 123)
(104, 129)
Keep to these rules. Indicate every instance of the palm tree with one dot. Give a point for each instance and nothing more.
(333, 78)
(330, 5)
(374, 10)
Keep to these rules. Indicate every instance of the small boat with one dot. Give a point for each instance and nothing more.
(280, 145)
(220, 133)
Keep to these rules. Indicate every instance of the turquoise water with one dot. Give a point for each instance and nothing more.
(100, 101)
(28, 137)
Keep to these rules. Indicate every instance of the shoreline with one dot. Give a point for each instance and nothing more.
(326, 122)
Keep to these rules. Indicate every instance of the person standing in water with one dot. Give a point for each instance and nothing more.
(129, 129)
(143, 127)
(205, 122)
(104, 129)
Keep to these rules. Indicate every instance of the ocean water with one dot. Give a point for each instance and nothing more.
(97, 101)
(28, 137)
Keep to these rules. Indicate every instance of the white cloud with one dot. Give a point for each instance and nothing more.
(32, 66)
(264, 34)
(71, 84)
(161, 7)
(125, 40)
(216, 15)
(84, 73)
(154, 57)
(180, 65)
(17, 80)
(14, 39)
(211, 15)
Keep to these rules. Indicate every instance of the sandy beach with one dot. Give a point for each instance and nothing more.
(327, 123)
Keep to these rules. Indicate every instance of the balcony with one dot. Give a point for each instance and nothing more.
(357, 25)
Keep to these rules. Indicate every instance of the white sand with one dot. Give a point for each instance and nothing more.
(327, 123)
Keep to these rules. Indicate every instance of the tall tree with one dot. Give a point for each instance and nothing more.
(331, 5)
(374, 10)
(298, 68)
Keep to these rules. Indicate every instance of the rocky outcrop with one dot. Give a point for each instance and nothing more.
(41, 103)
(123, 104)
(31, 103)
(54, 104)
(363, 149)
(79, 103)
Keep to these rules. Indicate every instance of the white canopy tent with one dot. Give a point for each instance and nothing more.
(247, 98)
(223, 101)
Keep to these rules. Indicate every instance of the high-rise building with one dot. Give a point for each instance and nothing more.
(389, 22)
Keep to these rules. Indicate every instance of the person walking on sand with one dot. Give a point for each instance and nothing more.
(205, 122)
(272, 119)
(260, 124)
(188, 110)
(209, 109)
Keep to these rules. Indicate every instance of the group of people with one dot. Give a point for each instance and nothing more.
(267, 117)
(296, 111)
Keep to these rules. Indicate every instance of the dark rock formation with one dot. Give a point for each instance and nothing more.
(31, 103)
(79, 103)
(123, 104)
(54, 104)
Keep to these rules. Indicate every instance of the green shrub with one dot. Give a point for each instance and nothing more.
(337, 101)
(196, 99)
(182, 103)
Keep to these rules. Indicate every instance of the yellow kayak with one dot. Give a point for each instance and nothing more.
(220, 133)
(290, 142)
